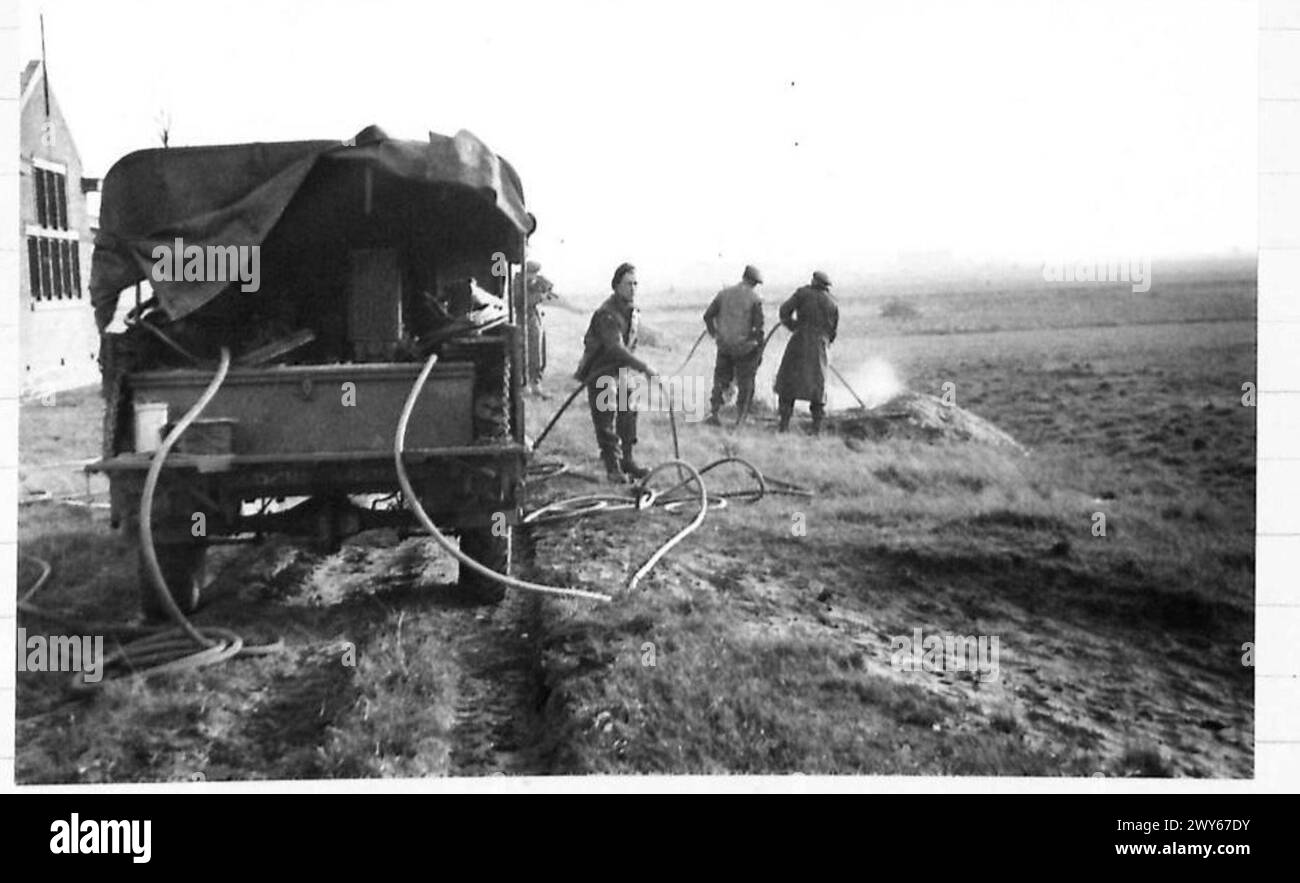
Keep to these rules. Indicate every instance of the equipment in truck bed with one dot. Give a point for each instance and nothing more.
(371, 255)
(240, 195)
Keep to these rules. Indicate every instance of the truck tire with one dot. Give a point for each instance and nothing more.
(184, 569)
(490, 550)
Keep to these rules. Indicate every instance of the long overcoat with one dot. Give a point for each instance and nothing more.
(811, 313)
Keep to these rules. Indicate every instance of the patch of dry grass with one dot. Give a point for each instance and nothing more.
(768, 646)
(401, 721)
(970, 534)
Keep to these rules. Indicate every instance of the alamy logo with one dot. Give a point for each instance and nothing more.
(1136, 270)
(630, 391)
(74, 653)
(124, 836)
(179, 262)
(940, 653)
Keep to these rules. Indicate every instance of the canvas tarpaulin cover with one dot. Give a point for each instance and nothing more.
(234, 195)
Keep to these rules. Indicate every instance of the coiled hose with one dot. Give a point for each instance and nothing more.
(593, 504)
(172, 648)
(161, 648)
(644, 498)
(685, 531)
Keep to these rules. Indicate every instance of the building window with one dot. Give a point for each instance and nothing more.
(34, 265)
(55, 267)
(53, 253)
(51, 199)
(73, 264)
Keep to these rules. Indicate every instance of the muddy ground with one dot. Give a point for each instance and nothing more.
(754, 647)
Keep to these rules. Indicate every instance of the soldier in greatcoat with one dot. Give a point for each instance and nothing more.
(812, 314)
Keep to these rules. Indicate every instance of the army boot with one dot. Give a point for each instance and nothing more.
(743, 412)
(818, 414)
(613, 469)
(786, 411)
(630, 466)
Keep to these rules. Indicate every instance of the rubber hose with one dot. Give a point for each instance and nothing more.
(399, 441)
(559, 412)
(159, 642)
(146, 503)
(156, 642)
(684, 532)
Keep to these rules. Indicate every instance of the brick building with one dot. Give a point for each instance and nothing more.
(58, 343)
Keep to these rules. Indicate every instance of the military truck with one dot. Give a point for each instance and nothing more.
(329, 271)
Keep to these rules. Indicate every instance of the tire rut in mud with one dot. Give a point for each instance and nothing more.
(280, 738)
(308, 714)
(499, 727)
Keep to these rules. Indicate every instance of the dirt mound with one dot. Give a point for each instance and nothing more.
(911, 415)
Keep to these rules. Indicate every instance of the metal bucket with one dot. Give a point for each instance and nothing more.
(150, 418)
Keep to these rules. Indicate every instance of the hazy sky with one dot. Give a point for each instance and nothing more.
(693, 137)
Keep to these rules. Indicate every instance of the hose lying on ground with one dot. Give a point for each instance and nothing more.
(685, 531)
(408, 492)
(541, 470)
(160, 648)
(643, 498)
(592, 504)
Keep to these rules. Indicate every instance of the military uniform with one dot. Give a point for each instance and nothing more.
(735, 319)
(812, 314)
(538, 291)
(608, 346)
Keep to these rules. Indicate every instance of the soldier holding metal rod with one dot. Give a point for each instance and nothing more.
(812, 314)
(735, 321)
(608, 350)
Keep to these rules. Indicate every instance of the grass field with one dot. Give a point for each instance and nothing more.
(762, 644)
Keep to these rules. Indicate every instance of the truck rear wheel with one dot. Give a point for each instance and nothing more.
(490, 550)
(184, 569)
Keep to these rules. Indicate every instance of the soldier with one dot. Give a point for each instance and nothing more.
(539, 290)
(608, 353)
(735, 321)
(811, 313)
